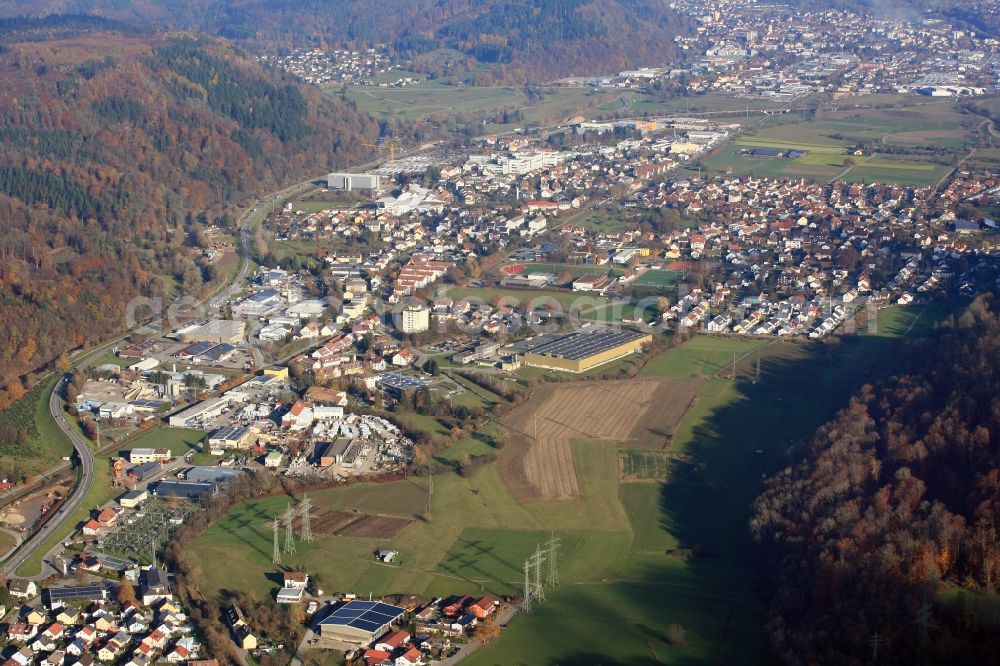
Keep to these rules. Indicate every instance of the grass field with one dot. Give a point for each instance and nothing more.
(576, 269)
(658, 279)
(637, 555)
(7, 542)
(828, 141)
(431, 98)
(178, 440)
(45, 443)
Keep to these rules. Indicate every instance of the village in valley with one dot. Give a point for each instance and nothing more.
(455, 380)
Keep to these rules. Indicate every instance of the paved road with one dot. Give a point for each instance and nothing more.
(76, 498)
(82, 447)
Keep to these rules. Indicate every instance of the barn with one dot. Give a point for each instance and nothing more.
(359, 622)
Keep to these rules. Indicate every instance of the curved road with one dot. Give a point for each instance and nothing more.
(75, 499)
(82, 447)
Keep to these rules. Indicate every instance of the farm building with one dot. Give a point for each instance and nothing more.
(580, 352)
(359, 622)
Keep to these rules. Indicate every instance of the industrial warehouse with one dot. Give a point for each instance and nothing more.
(579, 352)
(359, 622)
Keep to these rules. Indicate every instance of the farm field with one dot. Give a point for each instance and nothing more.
(637, 554)
(644, 465)
(539, 463)
(827, 142)
(431, 98)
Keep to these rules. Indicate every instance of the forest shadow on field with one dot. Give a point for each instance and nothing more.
(746, 437)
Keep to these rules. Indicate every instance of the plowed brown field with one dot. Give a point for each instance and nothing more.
(538, 463)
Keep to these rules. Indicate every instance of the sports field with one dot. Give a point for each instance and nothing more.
(658, 278)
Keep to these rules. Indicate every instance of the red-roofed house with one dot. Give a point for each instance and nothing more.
(393, 641)
(377, 657)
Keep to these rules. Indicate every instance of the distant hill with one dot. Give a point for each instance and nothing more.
(521, 39)
(117, 149)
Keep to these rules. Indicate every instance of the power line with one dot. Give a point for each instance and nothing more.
(539, 557)
(289, 516)
(923, 620)
(305, 511)
(552, 546)
(276, 553)
(874, 643)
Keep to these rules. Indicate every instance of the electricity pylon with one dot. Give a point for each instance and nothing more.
(305, 510)
(289, 517)
(551, 547)
(276, 553)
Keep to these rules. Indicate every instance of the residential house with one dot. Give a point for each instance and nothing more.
(296, 579)
(22, 589)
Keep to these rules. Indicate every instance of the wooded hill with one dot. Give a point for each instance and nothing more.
(520, 40)
(116, 151)
(894, 506)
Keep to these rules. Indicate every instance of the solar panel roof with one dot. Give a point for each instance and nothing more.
(76, 592)
(365, 615)
(583, 345)
(400, 381)
(195, 349)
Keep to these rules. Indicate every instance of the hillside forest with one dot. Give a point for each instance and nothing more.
(888, 523)
(118, 152)
(514, 41)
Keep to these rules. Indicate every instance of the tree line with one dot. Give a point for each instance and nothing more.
(888, 522)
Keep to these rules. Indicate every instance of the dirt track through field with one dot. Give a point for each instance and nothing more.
(538, 463)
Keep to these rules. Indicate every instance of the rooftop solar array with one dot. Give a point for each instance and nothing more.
(195, 349)
(138, 349)
(229, 432)
(401, 382)
(217, 352)
(77, 592)
(367, 616)
(584, 345)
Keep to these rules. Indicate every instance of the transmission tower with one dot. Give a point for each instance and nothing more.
(923, 620)
(289, 517)
(305, 510)
(276, 553)
(874, 643)
(526, 604)
(538, 592)
(551, 547)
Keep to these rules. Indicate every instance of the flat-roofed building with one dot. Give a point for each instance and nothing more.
(580, 352)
